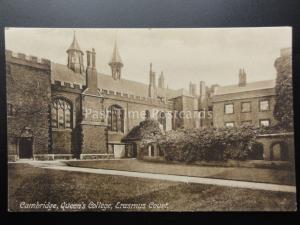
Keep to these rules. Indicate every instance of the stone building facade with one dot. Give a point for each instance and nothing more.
(78, 112)
(69, 111)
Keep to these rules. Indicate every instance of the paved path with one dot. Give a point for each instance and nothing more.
(56, 165)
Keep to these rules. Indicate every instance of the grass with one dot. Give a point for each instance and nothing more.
(30, 184)
(274, 176)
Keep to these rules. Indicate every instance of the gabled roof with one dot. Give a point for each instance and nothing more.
(253, 86)
(116, 58)
(74, 45)
(61, 72)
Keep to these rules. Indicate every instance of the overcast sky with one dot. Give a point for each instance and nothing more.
(213, 55)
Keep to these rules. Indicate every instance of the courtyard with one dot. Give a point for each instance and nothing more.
(30, 185)
(261, 175)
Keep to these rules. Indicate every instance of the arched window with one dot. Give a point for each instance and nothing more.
(162, 119)
(61, 113)
(116, 118)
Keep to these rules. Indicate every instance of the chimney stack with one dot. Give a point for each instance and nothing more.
(88, 61)
(202, 89)
(161, 80)
(152, 83)
(91, 74)
(93, 58)
(242, 78)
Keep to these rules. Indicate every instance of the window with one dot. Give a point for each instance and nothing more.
(264, 123)
(246, 107)
(10, 109)
(264, 105)
(150, 150)
(116, 118)
(61, 114)
(162, 119)
(246, 123)
(229, 124)
(228, 108)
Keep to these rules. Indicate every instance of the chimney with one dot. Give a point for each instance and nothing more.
(193, 89)
(93, 58)
(152, 83)
(242, 78)
(202, 89)
(161, 80)
(88, 61)
(91, 74)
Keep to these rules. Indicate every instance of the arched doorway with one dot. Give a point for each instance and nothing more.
(26, 144)
(279, 151)
(134, 150)
(160, 151)
(257, 152)
(25, 148)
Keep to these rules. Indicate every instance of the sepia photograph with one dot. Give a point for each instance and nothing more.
(150, 119)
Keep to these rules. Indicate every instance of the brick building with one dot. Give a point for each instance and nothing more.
(73, 111)
(65, 111)
(246, 103)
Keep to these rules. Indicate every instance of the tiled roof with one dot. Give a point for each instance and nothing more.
(258, 85)
(63, 73)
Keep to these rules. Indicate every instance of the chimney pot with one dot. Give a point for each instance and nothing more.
(242, 78)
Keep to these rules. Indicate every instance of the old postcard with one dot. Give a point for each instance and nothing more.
(150, 119)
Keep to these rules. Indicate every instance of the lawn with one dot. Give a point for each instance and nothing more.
(274, 176)
(67, 189)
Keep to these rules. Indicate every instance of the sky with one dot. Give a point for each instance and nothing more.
(213, 55)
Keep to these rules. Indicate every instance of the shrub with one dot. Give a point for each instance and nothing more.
(187, 145)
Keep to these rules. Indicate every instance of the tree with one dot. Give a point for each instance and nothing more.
(283, 110)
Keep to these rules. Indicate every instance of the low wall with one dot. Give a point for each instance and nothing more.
(286, 142)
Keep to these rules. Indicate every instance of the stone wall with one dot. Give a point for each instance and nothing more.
(93, 130)
(287, 145)
(28, 96)
(67, 141)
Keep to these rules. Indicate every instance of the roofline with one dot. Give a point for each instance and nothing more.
(243, 91)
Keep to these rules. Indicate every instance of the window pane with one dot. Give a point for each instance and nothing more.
(264, 105)
(265, 123)
(229, 124)
(246, 107)
(68, 118)
(229, 108)
(61, 118)
(53, 117)
(114, 121)
(116, 118)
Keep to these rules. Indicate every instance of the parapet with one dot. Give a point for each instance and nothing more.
(57, 83)
(28, 60)
(135, 98)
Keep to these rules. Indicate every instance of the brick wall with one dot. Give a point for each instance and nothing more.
(29, 93)
(255, 115)
(68, 141)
